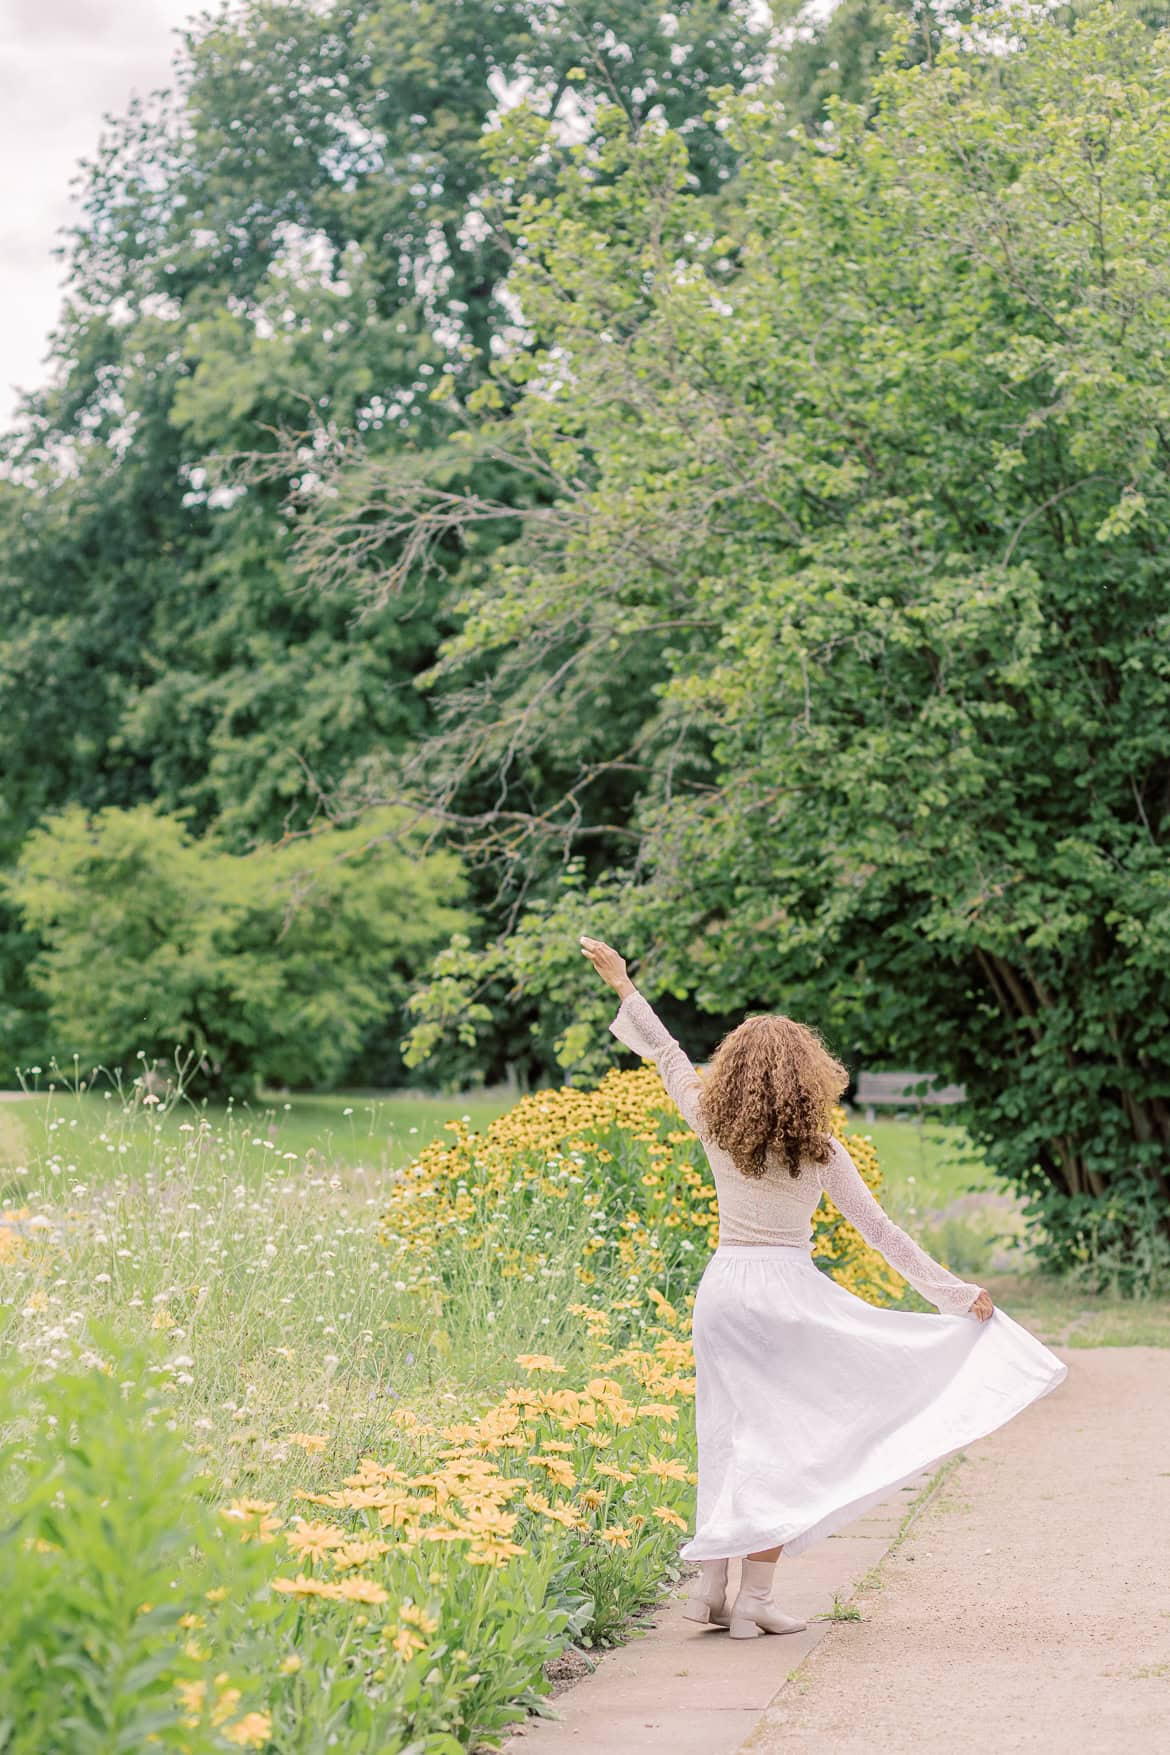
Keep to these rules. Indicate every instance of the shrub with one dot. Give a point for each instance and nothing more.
(110, 1551)
(269, 967)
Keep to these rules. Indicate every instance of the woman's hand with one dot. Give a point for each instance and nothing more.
(608, 964)
(982, 1307)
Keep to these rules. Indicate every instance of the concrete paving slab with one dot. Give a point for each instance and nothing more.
(698, 1733)
(690, 1689)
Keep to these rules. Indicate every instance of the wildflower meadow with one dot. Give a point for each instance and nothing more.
(306, 1454)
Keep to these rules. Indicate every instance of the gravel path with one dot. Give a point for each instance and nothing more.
(1029, 1606)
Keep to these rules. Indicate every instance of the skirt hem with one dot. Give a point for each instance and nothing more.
(796, 1541)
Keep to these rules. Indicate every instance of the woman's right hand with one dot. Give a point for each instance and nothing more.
(608, 964)
(982, 1307)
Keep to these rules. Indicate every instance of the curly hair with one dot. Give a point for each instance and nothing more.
(769, 1088)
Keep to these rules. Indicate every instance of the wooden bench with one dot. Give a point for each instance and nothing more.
(903, 1090)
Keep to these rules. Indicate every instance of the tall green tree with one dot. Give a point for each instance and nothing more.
(882, 497)
(302, 233)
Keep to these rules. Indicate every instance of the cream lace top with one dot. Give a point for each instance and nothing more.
(778, 1208)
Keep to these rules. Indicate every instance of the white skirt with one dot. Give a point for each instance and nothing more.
(812, 1405)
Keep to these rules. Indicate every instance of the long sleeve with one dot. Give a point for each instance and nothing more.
(639, 1027)
(842, 1182)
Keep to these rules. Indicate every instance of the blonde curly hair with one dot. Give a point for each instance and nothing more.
(769, 1088)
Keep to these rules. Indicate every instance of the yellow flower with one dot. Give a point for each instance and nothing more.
(616, 1534)
(300, 1586)
(538, 1362)
(255, 1518)
(226, 1702)
(665, 1515)
(558, 1513)
(251, 1731)
(668, 1311)
(418, 1617)
(313, 1442)
(191, 1695)
(666, 1469)
(559, 1470)
(312, 1541)
(493, 1551)
(406, 1642)
(359, 1553)
(362, 1590)
(290, 1665)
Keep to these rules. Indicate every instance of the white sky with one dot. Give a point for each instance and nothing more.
(64, 65)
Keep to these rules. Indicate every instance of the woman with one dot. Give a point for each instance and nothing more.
(811, 1405)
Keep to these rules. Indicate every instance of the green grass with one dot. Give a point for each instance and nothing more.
(940, 1189)
(925, 1164)
(62, 1147)
(58, 1137)
(1061, 1315)
(259, 1260)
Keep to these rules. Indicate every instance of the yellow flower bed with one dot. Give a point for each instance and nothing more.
(618, 1150)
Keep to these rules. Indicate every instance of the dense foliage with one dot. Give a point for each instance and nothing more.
(865, 504)
(303, 229)
(225, 970)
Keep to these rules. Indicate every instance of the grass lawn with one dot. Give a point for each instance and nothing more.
(89, 1136)
(1062, 1315)
(926, 1165)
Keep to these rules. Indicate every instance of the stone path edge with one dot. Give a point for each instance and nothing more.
(688, 1689)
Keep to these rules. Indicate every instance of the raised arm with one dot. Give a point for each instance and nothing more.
(638, 1026)
(842, 1182)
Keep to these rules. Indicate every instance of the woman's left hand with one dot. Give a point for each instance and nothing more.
(608, 964)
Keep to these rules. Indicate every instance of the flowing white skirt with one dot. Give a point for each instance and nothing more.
(812, 1405)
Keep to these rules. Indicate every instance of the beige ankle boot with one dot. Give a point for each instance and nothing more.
(752, 1613)
(707, 1601)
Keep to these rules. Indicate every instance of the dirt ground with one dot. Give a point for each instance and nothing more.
(1028, 1607)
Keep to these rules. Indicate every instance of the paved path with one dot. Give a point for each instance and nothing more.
(1030, 1607)
(1027, 1609)
(689, 1689)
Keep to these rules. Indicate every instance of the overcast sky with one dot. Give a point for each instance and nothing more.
(64, 65)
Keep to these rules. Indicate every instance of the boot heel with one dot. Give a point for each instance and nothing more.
(697, 1611)
(742, 1628)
